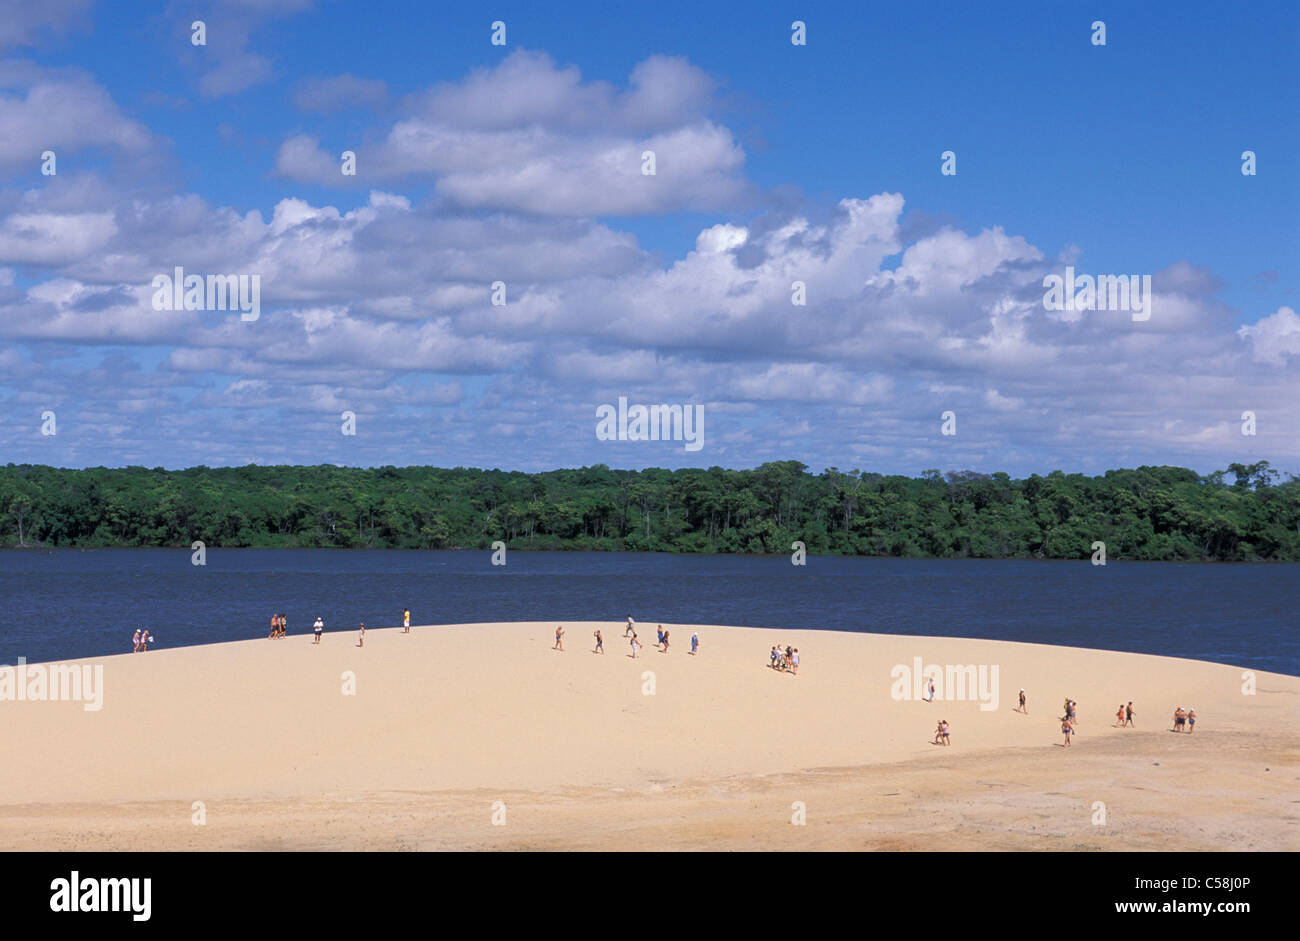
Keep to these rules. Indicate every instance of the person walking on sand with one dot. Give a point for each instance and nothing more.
(663, 639)
(362, 642)
(406, 620)
(929, 697)
(284, 625)
(600, 642)
(1119, 717)
(941, 733)
(1072, 712)
(1191, 720)
(1179, 718)
(631, 627)
(317, 628)
(794, 661)
(1022, 707)
(1067, 728)
(136, 649)
(771, 662)
(275, 625)
(635, 645)
(695, 643)
(559, 637)
(1128, 713)
(659, 636)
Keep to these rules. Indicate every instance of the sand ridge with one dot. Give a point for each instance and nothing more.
(443, 718)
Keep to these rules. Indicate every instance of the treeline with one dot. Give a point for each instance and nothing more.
(1243, 513)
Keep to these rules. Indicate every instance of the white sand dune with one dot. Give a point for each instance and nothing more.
(264, 730)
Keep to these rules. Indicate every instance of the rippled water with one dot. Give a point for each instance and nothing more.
(74, 603)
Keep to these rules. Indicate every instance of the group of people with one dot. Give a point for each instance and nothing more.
(142, 640)
(633, 641)
(941, 733)
(1124, 716)
(1184, 720)
(1070, 720)
(279, 628)
(784, 659)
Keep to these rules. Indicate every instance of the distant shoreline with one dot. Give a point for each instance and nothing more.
(1243, 513)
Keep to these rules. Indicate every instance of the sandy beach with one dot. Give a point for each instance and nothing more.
(481, 736)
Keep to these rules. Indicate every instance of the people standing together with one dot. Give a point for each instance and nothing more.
(784, 660)
(1184, 720)
(280, 628)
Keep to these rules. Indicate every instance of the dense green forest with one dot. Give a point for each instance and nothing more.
(1243, 513)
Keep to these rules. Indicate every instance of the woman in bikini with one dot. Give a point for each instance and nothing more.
(1067, 728)
(1191, 720)
(1119, 717)
(1179, 718)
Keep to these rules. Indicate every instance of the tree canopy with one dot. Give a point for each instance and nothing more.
(1242, 513)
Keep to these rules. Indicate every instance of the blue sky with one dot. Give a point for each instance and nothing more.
(478, 162)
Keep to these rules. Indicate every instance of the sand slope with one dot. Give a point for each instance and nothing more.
(447, 717)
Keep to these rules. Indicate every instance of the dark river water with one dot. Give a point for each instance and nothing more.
(73, 603)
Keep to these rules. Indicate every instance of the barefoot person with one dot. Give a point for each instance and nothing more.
(1191, 720)
(1067, 729)
(600, 642)
(631, 627)
(695, 643)
(1180, 717)
(664, 641)
(635, 646)
(144, 639)
(406, 620)
(559, 637)
(362, 642)
(275, 626)
(794, 661)
(1119, 717)
(316, 629)
(1022, 707)
(930, 695)
(1128, 713)
(136, 649)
